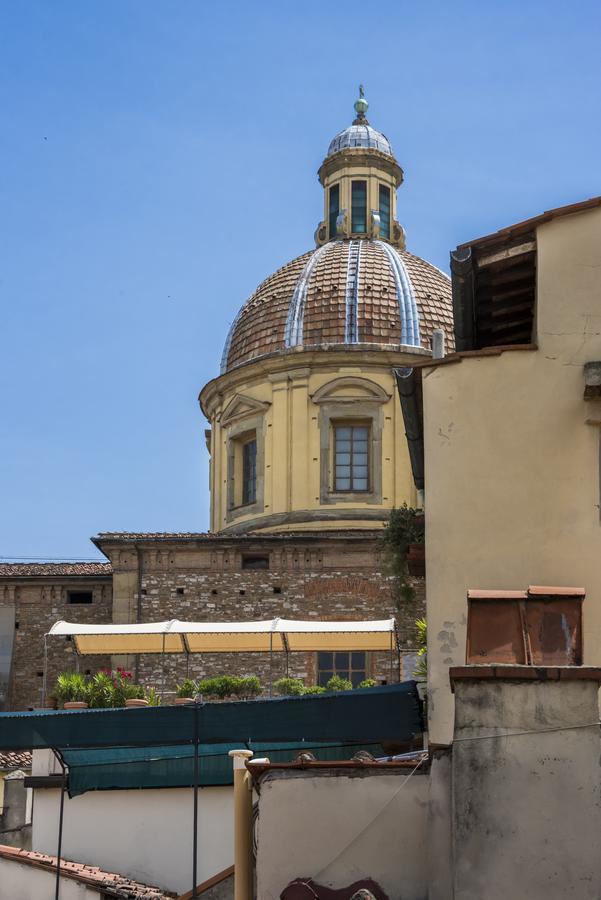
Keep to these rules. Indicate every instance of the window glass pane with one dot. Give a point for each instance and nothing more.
(249, 472)
(343, 471)
(342, 673)
(343, 484)
(342, 660)
(325, 660)
(384, 212)
(343, 433)
(357, 678)
(359, 207)
(343, 459)
(334, 208)
(324, 677)
(360, 432)
(358, 660)
(359, 484)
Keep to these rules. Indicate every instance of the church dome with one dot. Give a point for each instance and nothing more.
(360, 136)
(363, 292)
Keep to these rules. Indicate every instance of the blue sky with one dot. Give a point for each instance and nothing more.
(158, 159)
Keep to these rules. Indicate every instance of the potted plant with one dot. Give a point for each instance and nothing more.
(135, 696)
(101, 690)
(71, 690)
(185, 692)
(336, 683)
(367, 683)
(289, 687)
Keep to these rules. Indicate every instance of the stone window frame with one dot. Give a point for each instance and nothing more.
(336, 409)
(235, 433)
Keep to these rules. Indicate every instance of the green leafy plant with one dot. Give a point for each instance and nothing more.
(101, 690)
(186, 688)
(71, 687)
(405, 526)
(221, 687)
(367, 683)
(249, 687)
(336, 683)
(314, 689)
(153, 697)
(420, 671)
(289, 687)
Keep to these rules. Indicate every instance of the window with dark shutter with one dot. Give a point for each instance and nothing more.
(359, 207)
(333, 208)
(384, 197)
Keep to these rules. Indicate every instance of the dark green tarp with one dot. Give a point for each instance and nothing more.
(391, 713)
(127, 768)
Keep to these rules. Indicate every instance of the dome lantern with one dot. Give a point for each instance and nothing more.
(360, 176)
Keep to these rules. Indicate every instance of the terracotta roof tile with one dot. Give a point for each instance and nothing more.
(13, 760)
(111, 884)
(20, 570)
(261, 326)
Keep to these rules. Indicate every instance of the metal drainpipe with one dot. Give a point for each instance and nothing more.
(138, 608)
(243, 868)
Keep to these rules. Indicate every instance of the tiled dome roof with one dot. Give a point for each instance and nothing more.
(345, 292)
(360, 136)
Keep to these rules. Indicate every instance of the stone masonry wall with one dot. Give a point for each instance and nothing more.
(206, 580)
(299, 584)
(37, 607)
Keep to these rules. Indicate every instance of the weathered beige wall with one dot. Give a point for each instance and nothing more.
(526, 808)
(512, 468)
(338, 828)
(146, 835)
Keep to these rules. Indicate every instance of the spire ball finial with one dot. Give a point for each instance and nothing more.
(361, 107)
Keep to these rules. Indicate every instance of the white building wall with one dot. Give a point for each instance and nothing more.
(25, 882)
(144, 834)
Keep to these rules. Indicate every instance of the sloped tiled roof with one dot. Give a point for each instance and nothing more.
(20, 570)
(13, 760)
(109, 883)
(321, 313)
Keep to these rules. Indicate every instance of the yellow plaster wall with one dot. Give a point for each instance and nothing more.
(292, 444)
(512, 468)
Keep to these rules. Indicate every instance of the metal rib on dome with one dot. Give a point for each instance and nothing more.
(407, 306)
(293, 335)
(360, 136)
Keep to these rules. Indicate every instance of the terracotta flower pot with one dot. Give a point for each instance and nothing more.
(50, 704)
(179, 701)
(136, 702)
(75, 704)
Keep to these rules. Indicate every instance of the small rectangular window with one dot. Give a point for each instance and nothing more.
(80, 597)
(333, 208)
(359, 207)
(255, 562)
(249, 472)
(384, 212)
(351, 457)
(352, 666)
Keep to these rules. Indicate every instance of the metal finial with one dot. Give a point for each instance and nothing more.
(361, 106)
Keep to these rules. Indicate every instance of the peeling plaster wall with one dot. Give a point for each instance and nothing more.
(512, 468)
(338, 828)
(526, 809)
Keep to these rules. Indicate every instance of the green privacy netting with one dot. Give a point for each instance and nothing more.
(388, 713)
(173, 766)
